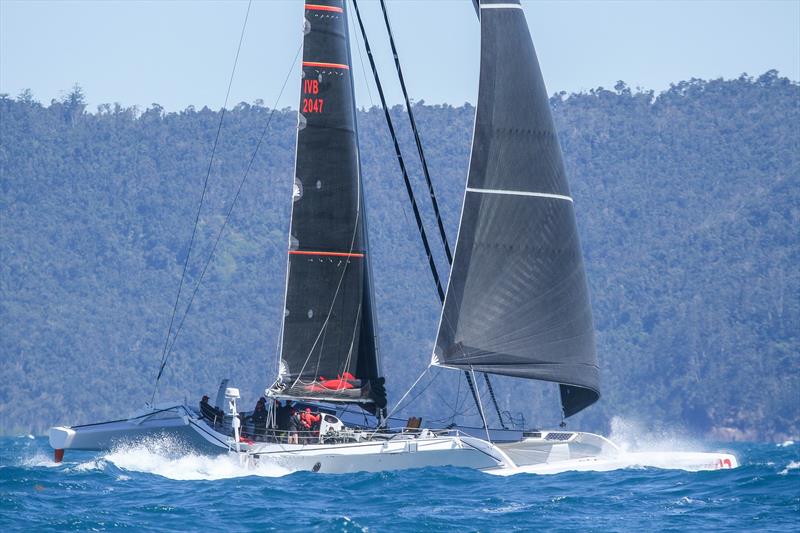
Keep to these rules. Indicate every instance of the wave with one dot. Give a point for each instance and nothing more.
(166, 457)
(40, 460)
(793, 465)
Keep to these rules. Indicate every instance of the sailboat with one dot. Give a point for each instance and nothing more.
(516, 304)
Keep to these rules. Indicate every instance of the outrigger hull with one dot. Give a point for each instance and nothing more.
(174, 421)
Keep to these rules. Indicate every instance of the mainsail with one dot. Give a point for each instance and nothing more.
(517, 301)
(328, 347)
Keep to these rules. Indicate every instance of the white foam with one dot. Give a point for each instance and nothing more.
(645, 446)
(786, 444)
(352, 523)
(686, 500)
(510, 508)
(166, 458)
(40, 459)
(88, 466)
(793, 465)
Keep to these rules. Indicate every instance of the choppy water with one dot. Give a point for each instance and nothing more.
(159, 487)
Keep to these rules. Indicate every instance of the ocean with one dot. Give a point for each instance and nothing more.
(159, 487)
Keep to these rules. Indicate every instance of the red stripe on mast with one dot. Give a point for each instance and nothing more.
(325, 65)
(325, 254)
(317, 7)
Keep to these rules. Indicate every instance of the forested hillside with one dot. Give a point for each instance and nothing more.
(688, 205)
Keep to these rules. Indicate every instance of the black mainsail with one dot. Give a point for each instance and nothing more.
(517, 301)
(328, 346)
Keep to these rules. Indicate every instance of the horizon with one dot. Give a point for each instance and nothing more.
(361, 108)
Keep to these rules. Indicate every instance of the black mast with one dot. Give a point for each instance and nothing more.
(328, 349)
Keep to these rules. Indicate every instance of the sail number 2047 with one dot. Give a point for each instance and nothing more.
(313, 104)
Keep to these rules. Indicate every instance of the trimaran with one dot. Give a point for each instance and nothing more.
(516, 304)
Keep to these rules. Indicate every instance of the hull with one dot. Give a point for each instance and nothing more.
(546, 452)
(689, 461)
(553, 452)
(377, 456)
(550, 452)
(171, 421)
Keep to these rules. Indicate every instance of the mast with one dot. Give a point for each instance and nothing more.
(517, 302)
(328, 347)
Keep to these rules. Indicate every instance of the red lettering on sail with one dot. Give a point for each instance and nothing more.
(311, 86)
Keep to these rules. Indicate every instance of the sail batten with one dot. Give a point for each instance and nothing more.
(517, 301)
(520, 193)
(328, 348)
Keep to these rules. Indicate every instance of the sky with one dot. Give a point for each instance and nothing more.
(178, 53)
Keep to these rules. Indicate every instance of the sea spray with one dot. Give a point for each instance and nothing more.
(793, 465)
(171, 459)
(636, 436)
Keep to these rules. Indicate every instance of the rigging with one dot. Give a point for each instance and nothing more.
(421, 153)
(400, 160)
(428, 181)
(168, 351)
(409, 190)
(167, 348)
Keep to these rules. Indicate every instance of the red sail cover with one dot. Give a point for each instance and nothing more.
(328, 347)
(517, 302)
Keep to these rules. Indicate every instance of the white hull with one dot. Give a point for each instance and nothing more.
(573, 451)
(545, 452)
(377, 456)
(690, 461)
(173, 420)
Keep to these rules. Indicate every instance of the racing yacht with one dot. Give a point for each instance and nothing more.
(516, 302)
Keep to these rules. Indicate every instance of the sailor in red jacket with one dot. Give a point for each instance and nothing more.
(309, 421)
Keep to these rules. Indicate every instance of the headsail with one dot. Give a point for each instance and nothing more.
(517, 302)
(328, 347)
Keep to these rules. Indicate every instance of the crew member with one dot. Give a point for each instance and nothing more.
(294, 426)
(210, 412)
(308, 422)
(260, 419)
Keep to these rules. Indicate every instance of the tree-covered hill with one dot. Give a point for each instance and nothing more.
(688, 206)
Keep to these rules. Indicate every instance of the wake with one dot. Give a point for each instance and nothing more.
(165, 457)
